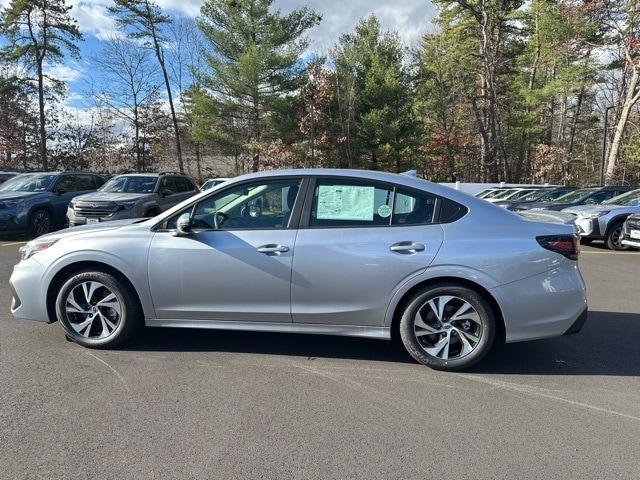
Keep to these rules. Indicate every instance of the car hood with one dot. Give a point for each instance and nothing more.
(91, 228)
(18, 195)
(587, 209)
(110, 197)
(543, 205)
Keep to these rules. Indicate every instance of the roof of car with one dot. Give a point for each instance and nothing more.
(396, 178)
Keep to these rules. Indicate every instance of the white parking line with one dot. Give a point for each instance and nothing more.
(11, 244)
(606, 253)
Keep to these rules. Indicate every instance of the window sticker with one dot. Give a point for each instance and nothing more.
(345, 202)
(384, 211)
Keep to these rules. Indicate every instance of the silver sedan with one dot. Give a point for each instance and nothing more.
(338, 252)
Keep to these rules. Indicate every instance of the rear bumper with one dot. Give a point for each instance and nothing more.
(579, 323)
(546, 305)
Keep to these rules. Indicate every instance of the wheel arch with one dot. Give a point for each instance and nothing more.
(617, 220)
(68, 270)
(450, 280)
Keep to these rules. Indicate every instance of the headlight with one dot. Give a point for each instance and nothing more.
(11, 203)
(127, 205)
(601, 213)
(35, 246)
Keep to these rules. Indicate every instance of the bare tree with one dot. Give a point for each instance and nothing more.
(128, 83)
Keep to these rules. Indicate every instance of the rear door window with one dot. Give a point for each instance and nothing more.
(346, 203)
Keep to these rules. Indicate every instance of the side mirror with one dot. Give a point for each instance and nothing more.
(165, 192)
(183, 225)
(590, 201)
(61, 191)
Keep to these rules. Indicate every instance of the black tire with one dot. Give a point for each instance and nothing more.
(152, 212)
(486, 327)
(129, 318)
(614, 236)
(40, 222)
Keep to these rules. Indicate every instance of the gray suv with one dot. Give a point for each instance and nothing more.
(131, 195)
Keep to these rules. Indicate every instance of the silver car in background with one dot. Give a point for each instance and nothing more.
(340, 252)
(605, 221)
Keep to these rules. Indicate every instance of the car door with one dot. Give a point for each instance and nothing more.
(235, 265)
(357, 243)
(186, 188)
(66, 188)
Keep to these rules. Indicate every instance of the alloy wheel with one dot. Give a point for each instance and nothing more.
(41, 223)
(447, 327)
(93, 310)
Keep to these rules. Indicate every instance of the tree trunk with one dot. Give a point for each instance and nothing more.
(43, 131)
(198, 162)
(630, 100)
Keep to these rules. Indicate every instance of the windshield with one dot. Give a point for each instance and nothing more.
(522, 194)
(504, 194)
(533, 195)
(628, 198)
(28, 183)
(493, 193)
(575, 195)
(130, 185)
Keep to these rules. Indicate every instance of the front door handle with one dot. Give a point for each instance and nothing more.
(407, 247)
(273, 248)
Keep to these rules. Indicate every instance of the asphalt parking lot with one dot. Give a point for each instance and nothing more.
(207, 404)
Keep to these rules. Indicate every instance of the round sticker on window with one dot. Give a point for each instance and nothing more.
(384, 211)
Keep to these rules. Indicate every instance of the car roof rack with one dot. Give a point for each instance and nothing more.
(170, 173)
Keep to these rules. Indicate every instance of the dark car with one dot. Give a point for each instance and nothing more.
(631, 231)
(4, 176)
(582, 196)
(37, 202)
(541, 195)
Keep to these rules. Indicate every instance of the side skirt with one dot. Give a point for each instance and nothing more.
(382, 333)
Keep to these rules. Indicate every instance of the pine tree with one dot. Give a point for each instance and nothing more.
(39, 31)
(254, 61)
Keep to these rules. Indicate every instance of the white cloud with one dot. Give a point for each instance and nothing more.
(410, 18)
(65, 72)
(93, 18)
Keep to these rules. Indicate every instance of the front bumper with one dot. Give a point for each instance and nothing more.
(11, 222)
(589, 227)
(75, 220)
(631, 243)
(544, 305)
(29, 300)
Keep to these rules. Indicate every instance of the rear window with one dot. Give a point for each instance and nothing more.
(346, 203)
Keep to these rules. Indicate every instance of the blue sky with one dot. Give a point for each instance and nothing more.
(410, 18)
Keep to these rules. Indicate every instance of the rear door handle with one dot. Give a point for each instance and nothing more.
(407, 247)
(273, 248)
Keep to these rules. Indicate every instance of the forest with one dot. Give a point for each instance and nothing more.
(495, 90)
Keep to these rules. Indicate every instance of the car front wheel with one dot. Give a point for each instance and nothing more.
(40, 222)
(97, 309)
(614, 238)
(447, 327)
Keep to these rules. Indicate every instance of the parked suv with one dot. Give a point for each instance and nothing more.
(36, 202)
(631, 231)
(131, 195)
(582, 196)
(604, 221)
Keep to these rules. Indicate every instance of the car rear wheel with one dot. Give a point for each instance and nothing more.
(97, 310)
(614, 238)
(448, 327)
(40, 222)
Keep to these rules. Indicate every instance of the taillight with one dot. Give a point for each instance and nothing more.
(567, 245)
